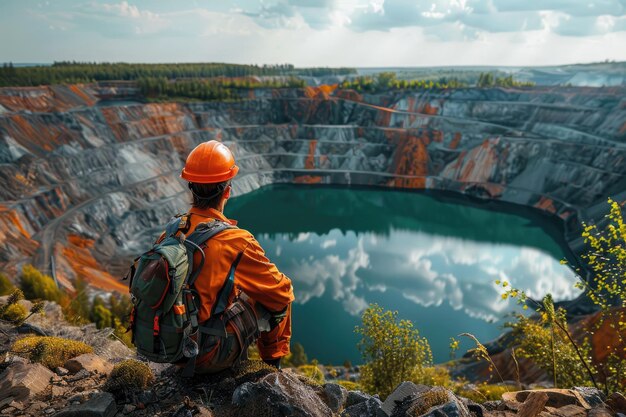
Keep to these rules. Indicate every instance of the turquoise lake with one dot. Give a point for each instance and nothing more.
(433, 258)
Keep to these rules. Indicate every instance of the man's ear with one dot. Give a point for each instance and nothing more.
(226, 194)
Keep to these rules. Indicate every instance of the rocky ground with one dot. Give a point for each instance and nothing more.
(86, 385)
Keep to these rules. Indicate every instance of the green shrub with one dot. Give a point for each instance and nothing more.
(548, 345)
(297, 357)
(313, 372)
(14, 313)
(36, 285)
(349, 385)
(484, 392)
(6, 286)
(129, 374)
(392, 349)
(434, 376)
(48, 350)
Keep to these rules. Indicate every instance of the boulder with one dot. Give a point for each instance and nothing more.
(356, 397)
(400, 394)
(556, 397)
(570, 410)
(23, 380)
(281, 394)
(336, 396)
(617, 402)
(436, 402)
(368, 408)
(593, 396)
(533, 404)
(89, 362)
(101, 404)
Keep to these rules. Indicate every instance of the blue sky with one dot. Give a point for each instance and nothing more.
(315, 32)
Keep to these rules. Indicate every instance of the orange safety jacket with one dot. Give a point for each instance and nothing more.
(255, 275)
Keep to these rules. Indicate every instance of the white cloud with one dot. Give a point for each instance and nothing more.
(427, 270)
(329, 243)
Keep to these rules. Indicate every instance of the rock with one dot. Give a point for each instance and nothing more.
(61, 371)
(58, 391)
(99, 405)
(82, 374)
(593, 396)
(336, 396)
(491, 405)
(23, 380)
(368, 408)
(281, 394)
(36, 407)
(533, 404)
(129, 408)
(49, 411)
(450, 409)
(402, 391)
(570, 410)
(356, 397)
(599, 412)
(433, 403)
(617, 402)
(89, 362)
(476, 409)
(556, 397)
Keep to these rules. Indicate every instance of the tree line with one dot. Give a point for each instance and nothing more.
(84, 72)
(209, 89)
(385, 81)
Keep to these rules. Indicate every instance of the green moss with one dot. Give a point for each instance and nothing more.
(129, 374)
(313, 372)
(14, 313)
(349, 385)
(428, 400)
(485, 392)
(49, 351)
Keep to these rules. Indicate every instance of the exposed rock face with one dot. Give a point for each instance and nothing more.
(89, 183)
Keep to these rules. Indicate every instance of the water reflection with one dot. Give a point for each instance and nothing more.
(431, 259)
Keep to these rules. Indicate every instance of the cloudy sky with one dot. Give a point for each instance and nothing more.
(316, 32)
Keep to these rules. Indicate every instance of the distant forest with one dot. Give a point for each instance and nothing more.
(85, 72)
(208, 89)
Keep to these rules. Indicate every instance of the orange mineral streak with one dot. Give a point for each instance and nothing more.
(309, 163)
(623, 129)
(129, 123)
(350, 95)
(603, 336)
(46, 98)
(411, 158)
(308, 179)
(426, 108)
(546, 204)
(323, 91)
(78, 256)
(454, 143)
(15, 238)
(475, 166)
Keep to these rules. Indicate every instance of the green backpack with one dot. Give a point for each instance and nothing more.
(164, 319)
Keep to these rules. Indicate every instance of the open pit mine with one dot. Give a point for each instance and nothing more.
(90, 172)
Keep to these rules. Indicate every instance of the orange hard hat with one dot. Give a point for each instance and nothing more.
(210, 162)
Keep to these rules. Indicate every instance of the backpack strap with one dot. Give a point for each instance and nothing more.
(194, 242)
(203, 232)
(172, 226)
(222, 299)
